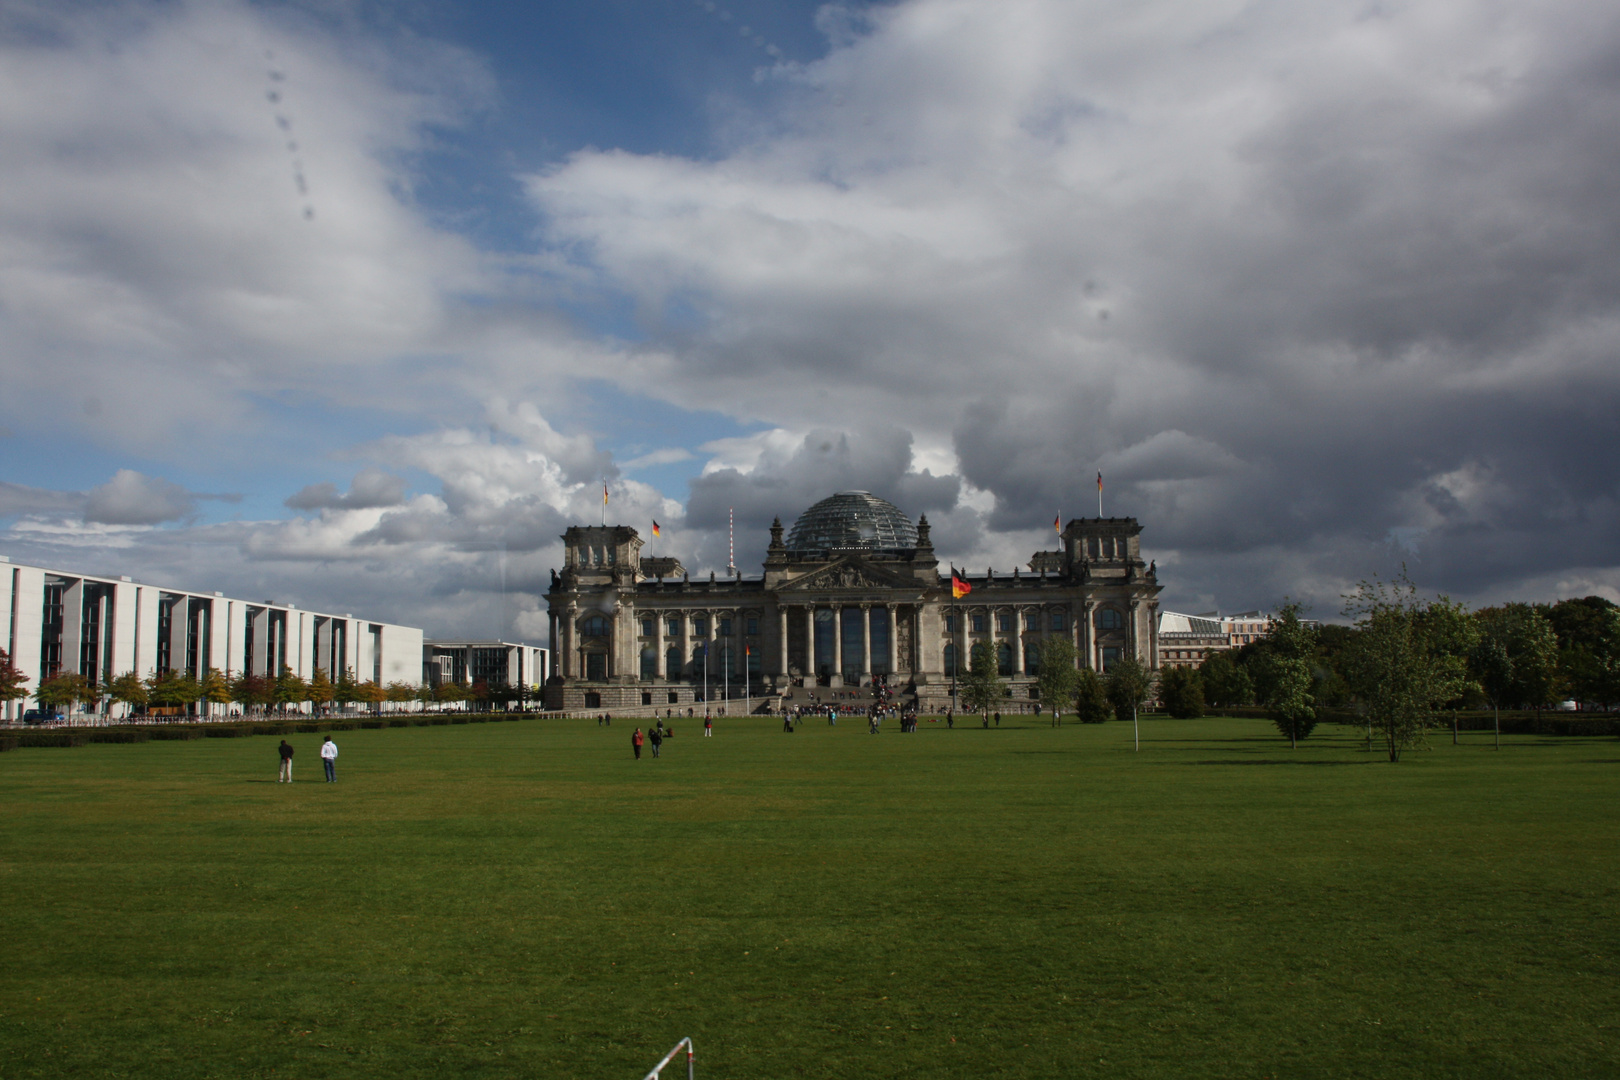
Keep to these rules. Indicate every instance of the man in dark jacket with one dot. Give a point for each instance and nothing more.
(656, 737)
(286, 763)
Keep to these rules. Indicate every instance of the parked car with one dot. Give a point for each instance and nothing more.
(40, 716)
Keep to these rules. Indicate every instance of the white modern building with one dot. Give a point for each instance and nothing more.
(494, 663)
(60, 620)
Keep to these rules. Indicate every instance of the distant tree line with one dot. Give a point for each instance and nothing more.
(1408, 659)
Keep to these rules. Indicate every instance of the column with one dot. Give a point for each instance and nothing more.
(990, 626)
(866, 642)
(782, 630)
(686, 641)
(710, 633)
(838, 641)
(1018, 641)
(890, 614)
(1087, 630)
(571, 659)
(810, 642)
(660, 667)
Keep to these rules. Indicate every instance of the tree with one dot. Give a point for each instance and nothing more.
(1057, 678)
(1181, 692)
(290, 689)
(1492, 667)
(62, 690)
(400, 692)
(1128, 684)
(216, 687)
(1091, 702)
(371, 694)
(1225, 681)
(129, 690)
(344, 687)
(1408, 658)
(450, 690)
(253, 691)
(982, 688)
(1292, 645)
(172, 689)
(13, 683)
(321, 690)
(1531, 644)
(1588, 633)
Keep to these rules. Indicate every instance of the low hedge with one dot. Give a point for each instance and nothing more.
(399, 723)
(437, 720)
(373, 725)
(168, 733)
(7, 742)
(225, 733)
(120, 735)
(53, 738)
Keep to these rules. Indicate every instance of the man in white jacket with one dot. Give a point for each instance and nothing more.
(329, 759)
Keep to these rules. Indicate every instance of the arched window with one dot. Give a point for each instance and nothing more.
(950, 659)
(1109, 619)
(673, 667)
(649, 664)
(1032, 661)
(1004, 659)
(594, 626)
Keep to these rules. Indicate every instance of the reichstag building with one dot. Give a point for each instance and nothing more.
(851, 597)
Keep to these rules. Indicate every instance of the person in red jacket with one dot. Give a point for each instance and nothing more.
(635, 743)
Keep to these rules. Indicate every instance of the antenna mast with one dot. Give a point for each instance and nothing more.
(731, 541)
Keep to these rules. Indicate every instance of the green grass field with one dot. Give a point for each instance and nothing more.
(524, 899)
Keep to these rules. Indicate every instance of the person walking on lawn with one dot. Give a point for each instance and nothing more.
(329, 759)
(656, 737)
(286, 763)
(635, 743)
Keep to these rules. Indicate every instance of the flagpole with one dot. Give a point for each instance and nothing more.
(956, 622)
(1099, 495)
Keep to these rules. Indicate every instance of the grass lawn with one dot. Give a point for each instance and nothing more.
(524, 899)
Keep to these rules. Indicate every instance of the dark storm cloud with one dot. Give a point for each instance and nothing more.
(371, 488)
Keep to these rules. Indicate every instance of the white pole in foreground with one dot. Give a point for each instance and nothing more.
(659, 1068)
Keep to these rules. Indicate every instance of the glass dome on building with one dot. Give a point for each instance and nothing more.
(852, 519)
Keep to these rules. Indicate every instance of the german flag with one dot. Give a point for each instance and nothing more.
(655, 529)
(959, 588)
(1057, 523)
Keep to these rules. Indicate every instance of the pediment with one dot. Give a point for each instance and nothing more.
(849, 574)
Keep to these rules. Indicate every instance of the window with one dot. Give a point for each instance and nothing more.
(646, 628)
(1110, 656)
(649, 667)
(1032, 661)
(595, 626)
(673, 629)
(977, 624)
(725, 627)
(1004, 659)
(674, 698)
(593, 699)
(1059, 622)
(753, 626)
(1109, 619)
(1032, 622)
(1092, 546)
(1004, 624)
(646, 697)
(950, 624)
(950, 659)
(700, 627)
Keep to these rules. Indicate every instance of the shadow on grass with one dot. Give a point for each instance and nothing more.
(1281, 761)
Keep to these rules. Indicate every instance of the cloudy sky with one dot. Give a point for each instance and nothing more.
(357, 305)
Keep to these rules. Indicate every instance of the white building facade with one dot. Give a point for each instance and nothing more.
(100, 628)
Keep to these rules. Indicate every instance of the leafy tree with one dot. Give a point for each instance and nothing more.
(1225, 682)
(449, 690)
(13, 683)
(1531, 644)
(1181, 692)
(1588, 634)
(1408, 659)
(253, 691)
(401, 692)
(290, 689)
(61, 690)
(1492, 668)
(321, 691)
(1290, 676)
(216, 687)
(1091, 702)
(172, 689)
(1056, 680)
(1129, 684)
(129, 690)
(424, 694)
(344, 688)
(982, 688)
(370, 693)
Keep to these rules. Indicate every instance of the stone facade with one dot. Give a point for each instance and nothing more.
(849, 614)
